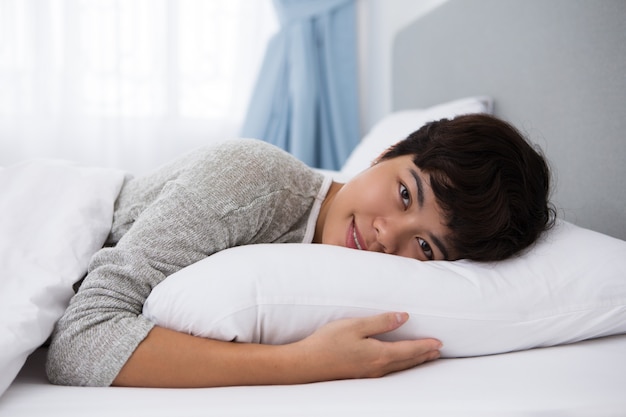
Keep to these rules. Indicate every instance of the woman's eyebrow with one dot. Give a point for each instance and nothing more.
(419, 186)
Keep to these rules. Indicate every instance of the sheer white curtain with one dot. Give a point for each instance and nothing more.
(126, 83)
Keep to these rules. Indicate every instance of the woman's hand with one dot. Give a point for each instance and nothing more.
(345, 349)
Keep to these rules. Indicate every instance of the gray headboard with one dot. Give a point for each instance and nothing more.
(555, 68)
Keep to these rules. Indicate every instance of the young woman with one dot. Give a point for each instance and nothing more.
(470, 187)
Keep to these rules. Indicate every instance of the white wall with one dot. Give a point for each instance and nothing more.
(378, 22)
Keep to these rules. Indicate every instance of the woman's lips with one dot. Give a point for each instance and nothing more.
(354, 239)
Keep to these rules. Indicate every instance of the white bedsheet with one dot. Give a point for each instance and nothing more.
(582, 379)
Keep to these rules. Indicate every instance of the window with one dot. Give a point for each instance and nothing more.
(124, 74)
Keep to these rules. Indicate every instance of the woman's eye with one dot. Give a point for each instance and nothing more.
(426, 248)
(405, 195)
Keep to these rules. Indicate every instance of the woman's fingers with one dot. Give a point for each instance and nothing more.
(387, 322)
(399, 355)
(381, 323)
(409, 353)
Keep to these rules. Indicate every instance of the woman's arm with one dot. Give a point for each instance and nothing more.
(339, 350)
(103, 338)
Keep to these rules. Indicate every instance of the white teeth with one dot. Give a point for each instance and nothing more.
(358, 245)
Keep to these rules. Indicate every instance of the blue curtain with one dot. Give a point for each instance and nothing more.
(305, 99)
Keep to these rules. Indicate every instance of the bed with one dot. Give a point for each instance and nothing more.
(556, 69)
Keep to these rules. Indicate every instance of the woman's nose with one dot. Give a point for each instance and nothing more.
(386, 234)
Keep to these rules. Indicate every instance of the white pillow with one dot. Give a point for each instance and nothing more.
(570, 286)
(400, 124)
(53, 216)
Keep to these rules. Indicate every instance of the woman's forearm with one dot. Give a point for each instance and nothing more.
(170, 359)
(339, 350)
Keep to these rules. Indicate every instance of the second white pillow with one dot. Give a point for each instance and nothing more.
(400, 124)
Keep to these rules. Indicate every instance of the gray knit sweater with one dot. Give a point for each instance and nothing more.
(238, 193)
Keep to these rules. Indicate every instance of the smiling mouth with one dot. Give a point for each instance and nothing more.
(355, 243)
(356, 239)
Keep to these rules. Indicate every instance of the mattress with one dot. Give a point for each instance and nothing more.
(582, 379)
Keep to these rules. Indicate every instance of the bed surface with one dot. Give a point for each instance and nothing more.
(556, 381)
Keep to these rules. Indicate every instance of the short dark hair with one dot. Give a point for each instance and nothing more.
(491, 183)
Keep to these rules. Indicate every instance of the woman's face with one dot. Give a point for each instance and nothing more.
(388, 208)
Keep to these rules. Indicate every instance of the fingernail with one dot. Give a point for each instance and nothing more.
(400, 317)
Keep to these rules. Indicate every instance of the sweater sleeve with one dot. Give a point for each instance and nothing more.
(206, 208)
